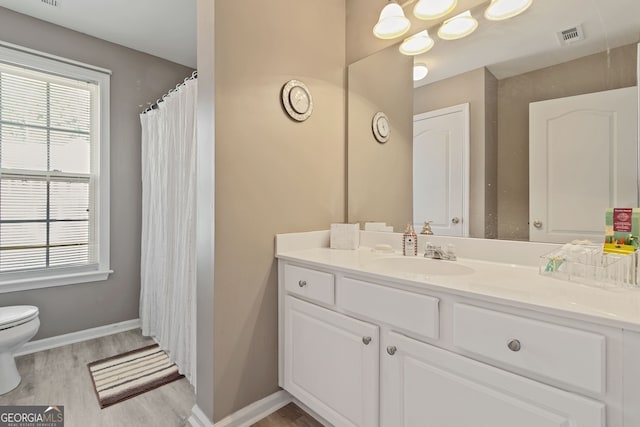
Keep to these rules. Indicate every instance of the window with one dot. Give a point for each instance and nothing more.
(54, 194)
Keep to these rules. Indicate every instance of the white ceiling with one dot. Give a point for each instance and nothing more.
(164, 28)
(528, 41)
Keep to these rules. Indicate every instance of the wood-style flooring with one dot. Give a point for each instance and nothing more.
(288, 416)
(60, 377)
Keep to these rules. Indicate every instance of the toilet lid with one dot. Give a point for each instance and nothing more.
(17, 315)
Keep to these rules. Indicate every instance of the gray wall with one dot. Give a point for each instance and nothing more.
(380, 180)
(594, 73)
(272, 174)
(137, 79)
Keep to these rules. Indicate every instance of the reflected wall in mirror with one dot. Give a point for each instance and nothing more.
(379, 176)
(527, 64)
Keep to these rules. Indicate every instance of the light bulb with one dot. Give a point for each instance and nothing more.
(392, 22)
(457, 27)
(417, 44)
(420, 71)
(505, 9)
(433, 9)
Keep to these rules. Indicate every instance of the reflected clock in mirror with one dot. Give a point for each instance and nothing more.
(381, 127)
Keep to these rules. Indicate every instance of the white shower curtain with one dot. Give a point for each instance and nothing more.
(168, 247)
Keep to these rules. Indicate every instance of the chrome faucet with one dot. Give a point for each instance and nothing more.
(436, 252)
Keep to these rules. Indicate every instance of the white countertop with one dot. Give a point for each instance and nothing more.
(514, 285)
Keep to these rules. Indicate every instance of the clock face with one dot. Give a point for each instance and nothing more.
(299, 99)
(381, 127)
(296, 100)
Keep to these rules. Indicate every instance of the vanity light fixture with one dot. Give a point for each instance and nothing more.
(420, 71)
(505, 9)
(433, 9)
(458, 27)
(392, 22)
(417, 44)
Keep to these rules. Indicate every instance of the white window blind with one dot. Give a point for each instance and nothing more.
(48, 135)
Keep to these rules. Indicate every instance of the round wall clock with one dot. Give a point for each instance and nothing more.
(381, 128)
(297, 100)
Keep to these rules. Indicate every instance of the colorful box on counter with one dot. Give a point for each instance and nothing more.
(622, 230)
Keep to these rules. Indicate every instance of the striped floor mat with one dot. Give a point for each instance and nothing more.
(129, 374)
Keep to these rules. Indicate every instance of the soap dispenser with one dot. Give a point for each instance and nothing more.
(409, 242)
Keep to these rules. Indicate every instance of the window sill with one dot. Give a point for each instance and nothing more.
(17, 285)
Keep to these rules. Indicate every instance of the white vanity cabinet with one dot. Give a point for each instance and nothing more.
(331, 363)
(370, 351)
(423, 385)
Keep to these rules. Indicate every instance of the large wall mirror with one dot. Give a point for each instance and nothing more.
(546, 104)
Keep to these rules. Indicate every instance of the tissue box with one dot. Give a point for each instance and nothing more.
(345, 236)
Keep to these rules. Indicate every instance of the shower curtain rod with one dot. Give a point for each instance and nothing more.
(154, 106)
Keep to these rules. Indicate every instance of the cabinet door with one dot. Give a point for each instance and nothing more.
(422, 385)
(331, 363)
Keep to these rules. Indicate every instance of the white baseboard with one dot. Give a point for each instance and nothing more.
(198, 418)
(74, 337)
(253, 413)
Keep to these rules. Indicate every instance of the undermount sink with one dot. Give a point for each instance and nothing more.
(418, 265)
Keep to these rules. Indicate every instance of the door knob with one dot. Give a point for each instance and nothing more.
(455, 220)
(302, 283)
(392, 350)
(366, 340)
(537, 223)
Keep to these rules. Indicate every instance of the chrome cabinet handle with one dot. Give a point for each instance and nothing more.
(392, 350)
(537, 223)
(302, 283)
(514, 345)
(366, 340)
(455, 220)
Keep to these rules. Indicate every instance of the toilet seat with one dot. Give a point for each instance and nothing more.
(16, 315)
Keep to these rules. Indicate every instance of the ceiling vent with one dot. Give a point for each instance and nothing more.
(54, 3)
(569, 36)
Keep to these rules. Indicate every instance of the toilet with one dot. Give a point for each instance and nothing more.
(18, 324)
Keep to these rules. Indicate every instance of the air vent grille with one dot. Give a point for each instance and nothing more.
(54, 3)
(570, 35)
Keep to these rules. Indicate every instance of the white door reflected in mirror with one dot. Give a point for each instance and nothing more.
(582, 160)
(441, 170)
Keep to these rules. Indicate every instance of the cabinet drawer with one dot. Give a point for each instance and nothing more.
(405, 310)
(312, 284)
(559, 353)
